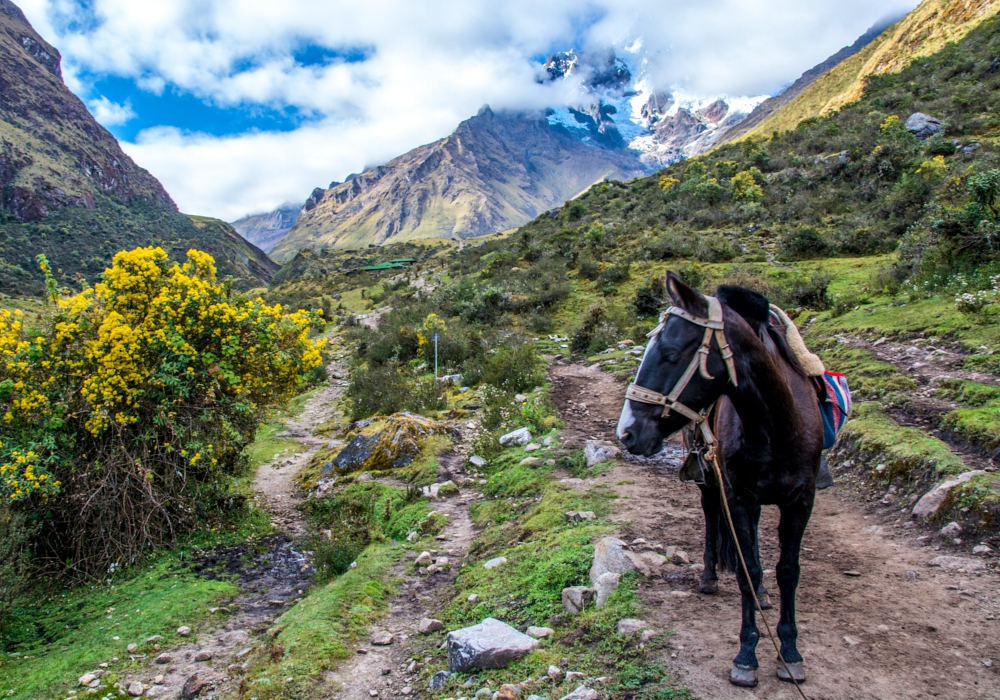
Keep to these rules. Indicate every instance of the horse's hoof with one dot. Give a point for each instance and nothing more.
(709, 587)
(798, 672)
(743, 676)
(765, 600)
(824, 479)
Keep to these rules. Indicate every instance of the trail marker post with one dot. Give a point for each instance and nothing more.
(435, 338)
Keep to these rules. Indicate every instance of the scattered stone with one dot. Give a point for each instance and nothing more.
(646, 636)
(610, 556)
(484, 693)
(540, 632)
(158, 680)
(852, 573)
(681, 557)
(851, 641)
(575, 599)
(507, 692)
(163, 659)
(596, 451)
(532, 447)
(630, 626)
(578, 516)
(135, 689)
(653, 560)
(981, 549)
(184, 631)
(521, 436)
(605, 586)
(923, 126)
(412, 536)
(425, 559)
(194, 685)
(382, 638)
(951, 530)
(132, 648)
(494, 563)
(477, 461)
(490, 644)
(530, 461)
(204, 655)
(364, 478)
(582, 693)
(956, 563)
(87, 679)
(429, 626)
(154, 639)
(473, 599)
(573, 676)
(438, 681)
(930, 503)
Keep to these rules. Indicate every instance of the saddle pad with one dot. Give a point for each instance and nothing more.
(835, 406)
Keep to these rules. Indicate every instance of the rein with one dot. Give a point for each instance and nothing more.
(714, 327)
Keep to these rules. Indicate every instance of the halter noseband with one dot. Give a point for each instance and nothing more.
(713, 325)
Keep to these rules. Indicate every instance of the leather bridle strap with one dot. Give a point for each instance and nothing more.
(713, 326)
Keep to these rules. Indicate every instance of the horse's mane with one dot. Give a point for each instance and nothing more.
(756, 311)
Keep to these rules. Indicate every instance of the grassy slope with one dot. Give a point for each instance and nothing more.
(924, 31)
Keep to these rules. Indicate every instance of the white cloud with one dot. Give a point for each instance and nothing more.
(111, 113)
(429, 65)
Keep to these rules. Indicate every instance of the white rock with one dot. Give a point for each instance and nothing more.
(473, 599)
(575, 599)
(595, 452)
(981, 549)
(605, 585)
(428, 626)
(521, 436)
(490, 644)
(494, 563)
(930, 502)
(477, 461)
(555, 673)
(135, 689)
(630, 626)
(87, 678)
(610, 556)
(951, 530)
(582, 693)
(533, 447)
(540, 632)
(184, 631)
(425, 559)
(578, 516)
(520, 398)
(382, 638)
(530, 461)
(956, 563)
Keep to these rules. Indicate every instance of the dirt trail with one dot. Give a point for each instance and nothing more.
(388, 671)
(900, 629)
(272, 573)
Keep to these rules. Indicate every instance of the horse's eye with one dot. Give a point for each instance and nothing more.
(672, 357)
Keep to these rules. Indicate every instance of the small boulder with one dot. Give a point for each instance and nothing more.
(507, 692)
(494, 563)
(154, 639)
(530, 462)
(477, 461)
(605, 586)
(429, 626)
(521, 436)
(87, 679)
(575, 599)
(956, 563)
(930, 503)
(472, 599)
(490, 644)
(555, 673)
(574, 676)
(533, 447)
(203, 655)
(184, 631)
(447, 488)
(382, 638)
(653, 560)
(981, 549)
(163, 659)
(951, 530)
(520, 398)
(194, 685)
(438, 681)
(540, 632)
(610, 557)
(135, 689)
(596, 451)
(630, 626)
(132, 648)
(923, 126)
(425, 559)
(364, 478)
(578, 516)
(583, 693)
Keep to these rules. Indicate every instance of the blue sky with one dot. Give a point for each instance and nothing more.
(240, 105)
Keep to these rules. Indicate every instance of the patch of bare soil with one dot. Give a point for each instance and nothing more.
(271, 572)
(897, 629)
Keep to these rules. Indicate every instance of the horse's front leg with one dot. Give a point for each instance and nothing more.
(745, 664)
(791, 528)
(711, 506)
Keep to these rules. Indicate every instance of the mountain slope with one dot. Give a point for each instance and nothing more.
(496, 171)
(770, 106)
(68, 190)
(922, 32)
(265, 230)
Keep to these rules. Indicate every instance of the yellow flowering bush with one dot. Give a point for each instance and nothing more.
(129, 412)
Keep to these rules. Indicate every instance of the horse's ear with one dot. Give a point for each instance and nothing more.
(685, 297)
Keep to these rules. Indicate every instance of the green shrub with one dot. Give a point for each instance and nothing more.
(514, 367)
(383, 389)
(802, 243)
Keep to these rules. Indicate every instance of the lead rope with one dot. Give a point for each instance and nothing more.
(746, 572)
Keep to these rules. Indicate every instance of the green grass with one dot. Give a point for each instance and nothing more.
(869, 377)
(978, 426)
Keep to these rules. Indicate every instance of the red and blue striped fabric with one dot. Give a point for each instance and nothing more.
(835, 406)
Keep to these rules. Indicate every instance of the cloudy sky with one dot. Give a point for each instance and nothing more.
(240, 105)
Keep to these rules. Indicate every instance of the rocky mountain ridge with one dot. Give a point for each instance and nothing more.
(265, 230)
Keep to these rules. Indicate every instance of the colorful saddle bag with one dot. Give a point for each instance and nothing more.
(835, 405)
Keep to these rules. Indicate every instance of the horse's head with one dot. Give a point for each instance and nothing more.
(642, 427)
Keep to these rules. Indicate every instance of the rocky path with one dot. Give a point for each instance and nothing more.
(272, 574)
(893, 627)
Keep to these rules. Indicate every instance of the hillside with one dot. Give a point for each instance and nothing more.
(766, 109)
(495, 172)
(265, 230)
(68, 190)
(922, 32)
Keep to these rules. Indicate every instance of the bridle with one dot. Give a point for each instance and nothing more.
(714, 326)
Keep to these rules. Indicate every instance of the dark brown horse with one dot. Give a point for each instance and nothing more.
(769, 430)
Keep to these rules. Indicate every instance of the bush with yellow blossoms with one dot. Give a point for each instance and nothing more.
(124, 419)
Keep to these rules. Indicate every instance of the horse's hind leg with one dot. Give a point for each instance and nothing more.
(711, 506)
(762, 596)
(794, 518)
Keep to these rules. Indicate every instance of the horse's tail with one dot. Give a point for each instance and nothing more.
(724, 545)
